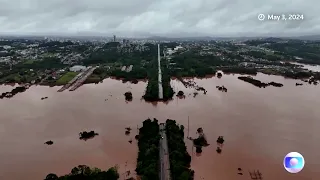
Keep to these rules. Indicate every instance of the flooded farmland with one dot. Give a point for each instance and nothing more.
(260, 126)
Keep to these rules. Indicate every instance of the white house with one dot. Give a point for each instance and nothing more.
(129, 68)
(177, 48)
(77, 68)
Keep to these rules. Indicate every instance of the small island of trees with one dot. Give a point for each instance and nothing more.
(49, 142)
(87, 135)
(128, 96)
(252, 81)
(180, 94)
(258, 83)
(222, 88)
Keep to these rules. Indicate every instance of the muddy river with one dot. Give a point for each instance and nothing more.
(260, 127)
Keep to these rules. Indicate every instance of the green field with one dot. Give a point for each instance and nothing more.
(66, 78)
(30, 61)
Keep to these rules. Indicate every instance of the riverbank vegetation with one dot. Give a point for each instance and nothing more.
(148, 155)
(83, 172)
(302, 75)
(168, 91)
(136, 73)
(14, 91)
(239, 70)
(179, 157)
(152, 89)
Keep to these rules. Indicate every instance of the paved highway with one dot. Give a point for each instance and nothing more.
(82, 78)
(160, 75)
(164, 155)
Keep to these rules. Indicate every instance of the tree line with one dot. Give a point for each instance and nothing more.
(148, 155)
(83, 172)
(168, 91)
(179, 157)
(191, 64)
(152, 89)
(308, 50)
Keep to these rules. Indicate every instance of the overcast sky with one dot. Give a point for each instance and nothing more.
(157, 17)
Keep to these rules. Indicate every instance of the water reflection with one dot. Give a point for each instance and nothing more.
(261, 126)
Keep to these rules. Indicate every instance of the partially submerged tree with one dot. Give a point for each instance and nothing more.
(87, 135)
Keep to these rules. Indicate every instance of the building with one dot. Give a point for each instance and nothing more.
(129, 68)
(77, 68)
(170, 52)
(247, 64)
(114, 38)
(123, 68)
(178, 48)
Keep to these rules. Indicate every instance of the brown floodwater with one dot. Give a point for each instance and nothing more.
(260, 127)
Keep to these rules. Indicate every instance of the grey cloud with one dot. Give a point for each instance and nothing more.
(161, 17)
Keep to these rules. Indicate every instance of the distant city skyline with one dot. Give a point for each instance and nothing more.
(144, 18)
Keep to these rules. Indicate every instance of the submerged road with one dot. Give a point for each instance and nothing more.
(82, 78)
(164, 155)
(70, 83)
(159, 75)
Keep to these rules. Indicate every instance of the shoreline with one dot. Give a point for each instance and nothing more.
(208, 76)
(188, 82)
(303, 72)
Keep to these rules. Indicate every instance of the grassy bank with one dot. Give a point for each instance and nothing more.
(93, 79)
(66, 78)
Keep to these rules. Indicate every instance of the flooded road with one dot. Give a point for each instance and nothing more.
(260, 127)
